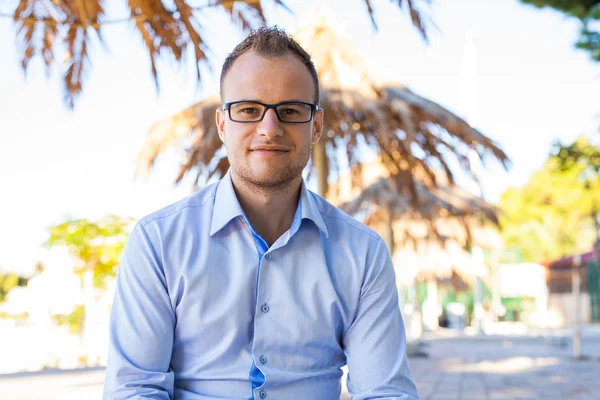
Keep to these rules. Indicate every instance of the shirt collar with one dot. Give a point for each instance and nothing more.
(310, 209)
(227, 206)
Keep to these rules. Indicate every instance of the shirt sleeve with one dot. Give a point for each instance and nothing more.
(375, 342)
(142, 324)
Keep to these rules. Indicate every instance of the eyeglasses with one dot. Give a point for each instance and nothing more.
(292, 112)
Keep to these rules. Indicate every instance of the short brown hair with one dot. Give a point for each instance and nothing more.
(271, 42)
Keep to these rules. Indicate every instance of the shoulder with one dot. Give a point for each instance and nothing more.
(195, 203)
(343, 225)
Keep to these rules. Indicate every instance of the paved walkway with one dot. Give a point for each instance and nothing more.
(456, 369)
(503, 368)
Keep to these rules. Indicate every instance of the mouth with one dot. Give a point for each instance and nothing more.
(269, 150)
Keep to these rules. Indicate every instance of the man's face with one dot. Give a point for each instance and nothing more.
(268, 153)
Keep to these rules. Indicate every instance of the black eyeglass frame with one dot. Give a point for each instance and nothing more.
(313, 108)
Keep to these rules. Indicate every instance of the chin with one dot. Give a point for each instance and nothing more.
(268, 175)
(270, 179)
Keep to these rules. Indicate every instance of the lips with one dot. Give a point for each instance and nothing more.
(261, 149)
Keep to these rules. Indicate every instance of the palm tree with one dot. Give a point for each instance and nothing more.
(166, 28)
(411, 134)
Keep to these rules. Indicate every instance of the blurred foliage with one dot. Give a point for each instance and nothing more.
(580, 153)
(97, 245)
(551, 215)
(8, 282)
(19, 318)
(75, 320)
(588, 12)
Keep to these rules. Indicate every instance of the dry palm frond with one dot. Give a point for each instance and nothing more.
(41, 37)
(192, 131)
(246, 15)
(467, 204)
(392, 194)
(166, 28)
(416, 15)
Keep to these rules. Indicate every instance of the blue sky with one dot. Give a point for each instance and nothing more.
(532, 86)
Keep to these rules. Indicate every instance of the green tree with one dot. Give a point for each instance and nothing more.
(551, 215)
(96, 246)
(10, 281)
(588, 12)
(75, 321)
(579, 154)
(584, 156)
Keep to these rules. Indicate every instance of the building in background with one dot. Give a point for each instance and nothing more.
(561, 301)
(523, 293)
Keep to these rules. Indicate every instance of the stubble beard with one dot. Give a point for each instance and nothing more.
(278, 180)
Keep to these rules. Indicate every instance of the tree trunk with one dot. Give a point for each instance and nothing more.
(319, 160)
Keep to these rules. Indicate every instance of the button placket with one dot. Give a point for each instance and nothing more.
(262, 305)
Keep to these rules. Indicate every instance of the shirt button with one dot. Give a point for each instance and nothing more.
(268, 256)
(263, 394)
(265, 308)
(263, 359)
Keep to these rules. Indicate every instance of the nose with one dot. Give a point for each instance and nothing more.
(269, 127)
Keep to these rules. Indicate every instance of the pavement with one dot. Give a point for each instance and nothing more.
(457, 368)
(494, 368)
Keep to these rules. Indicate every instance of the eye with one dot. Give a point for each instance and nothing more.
(249, 110)
(288, 111)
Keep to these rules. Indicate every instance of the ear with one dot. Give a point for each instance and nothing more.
(317, 125)
(220, 121)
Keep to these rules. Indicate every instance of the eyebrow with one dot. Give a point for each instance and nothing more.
(283, 101)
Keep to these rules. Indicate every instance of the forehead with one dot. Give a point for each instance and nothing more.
(269, 80)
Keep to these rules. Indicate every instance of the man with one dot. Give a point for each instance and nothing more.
(255, 287)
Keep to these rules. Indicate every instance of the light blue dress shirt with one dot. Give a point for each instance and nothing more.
(204, 309)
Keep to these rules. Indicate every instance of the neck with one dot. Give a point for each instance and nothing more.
(270, 210)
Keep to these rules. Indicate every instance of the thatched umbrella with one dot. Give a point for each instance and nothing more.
(388, 199)
(166, 28)
(410, 132)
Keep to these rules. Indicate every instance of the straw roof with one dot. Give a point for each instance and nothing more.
(440, 201)
(410, 132)
(166, 27)
(443, 202)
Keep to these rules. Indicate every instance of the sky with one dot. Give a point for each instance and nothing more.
(524, 87)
